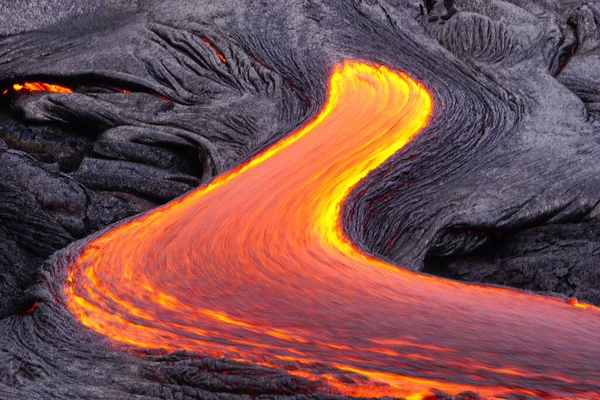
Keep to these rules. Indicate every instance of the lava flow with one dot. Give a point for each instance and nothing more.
(40, 87)
(256, 267)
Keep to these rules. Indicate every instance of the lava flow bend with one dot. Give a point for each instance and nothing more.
(256, 267)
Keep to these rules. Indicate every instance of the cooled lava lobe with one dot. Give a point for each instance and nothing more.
(500, 187)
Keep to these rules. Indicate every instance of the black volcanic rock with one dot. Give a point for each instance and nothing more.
(502, 187)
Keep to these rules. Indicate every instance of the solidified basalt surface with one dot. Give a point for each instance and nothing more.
(501, 187)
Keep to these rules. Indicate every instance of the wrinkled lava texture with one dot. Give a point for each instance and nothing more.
(109, 109)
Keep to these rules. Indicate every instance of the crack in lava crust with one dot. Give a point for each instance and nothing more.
(255, 267)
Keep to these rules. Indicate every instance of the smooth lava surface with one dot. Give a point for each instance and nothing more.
(256, 267)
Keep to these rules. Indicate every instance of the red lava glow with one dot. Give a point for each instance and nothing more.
(255, 267)
(32, 308)
(39, 87)
(47, 87)
(215, 49)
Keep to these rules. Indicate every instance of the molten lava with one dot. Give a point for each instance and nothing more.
(256, 267)
(215, 49)
(40, 87)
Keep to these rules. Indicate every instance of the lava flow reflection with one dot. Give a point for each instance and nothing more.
(255, 267)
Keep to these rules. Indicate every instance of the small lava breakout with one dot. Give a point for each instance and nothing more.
(40, 87)
(256, 267)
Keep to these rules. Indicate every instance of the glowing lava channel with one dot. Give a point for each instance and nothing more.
(256, 267)
(40, 87)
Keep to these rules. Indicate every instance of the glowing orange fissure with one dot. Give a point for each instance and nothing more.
(48, 87)
(39, 87)
(215, 49)
(256, 267)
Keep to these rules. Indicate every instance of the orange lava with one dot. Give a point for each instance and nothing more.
(256, 267)
(215, 49)
(40, 87)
